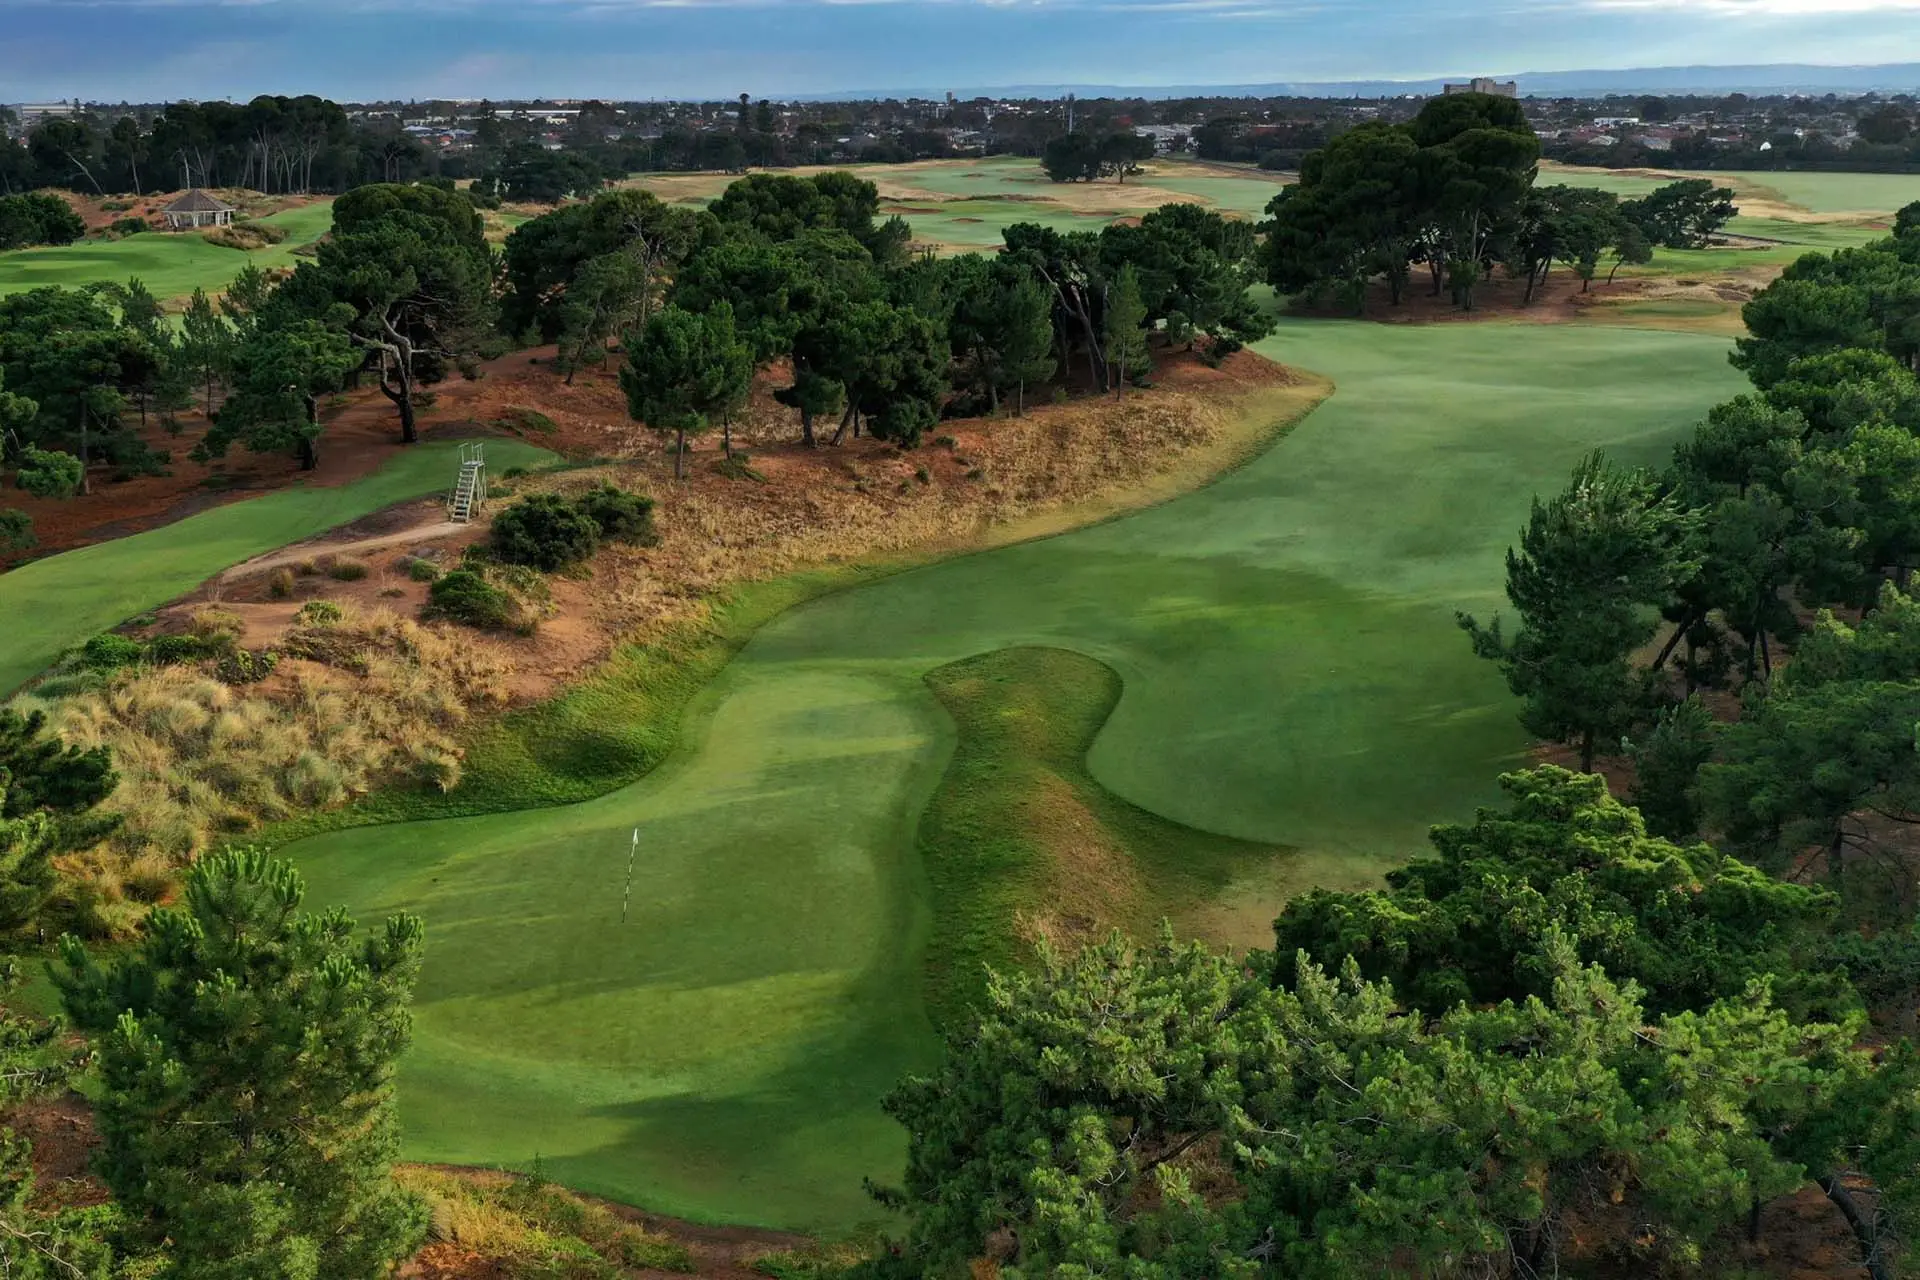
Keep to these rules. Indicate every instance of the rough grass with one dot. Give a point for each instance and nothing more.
(359, 704)
(55, 603)
(1021, 845)
(528, 1227)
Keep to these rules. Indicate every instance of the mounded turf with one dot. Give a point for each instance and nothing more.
(1292, 676)
(52, 604)
(171, 265)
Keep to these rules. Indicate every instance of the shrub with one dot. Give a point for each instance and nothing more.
(115, 206)
(164, 651)
(345, 569)
(319, 613)
(544, 531)
(216, 626)
(280, 585)
(244, 666)
(464, 596)
(621, 516)
(110, 652)
(128, 226)
(419, 568)
(16, 530)
(49, 473)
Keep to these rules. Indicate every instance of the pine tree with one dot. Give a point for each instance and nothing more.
(247, 1051)
(1025, 337)
(207, 342)
(1126, 334)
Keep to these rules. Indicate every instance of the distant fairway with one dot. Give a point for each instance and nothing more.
(962, 205)
(171, 265)
(1292, 676)
(55, 603)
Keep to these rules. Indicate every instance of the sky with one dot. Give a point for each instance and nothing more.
(157, 50)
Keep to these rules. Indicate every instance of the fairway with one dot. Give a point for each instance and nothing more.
(964, 205)
(55, 603)
(1292, 675)
(171, 265)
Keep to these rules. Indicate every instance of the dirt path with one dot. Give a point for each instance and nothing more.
(429, 531)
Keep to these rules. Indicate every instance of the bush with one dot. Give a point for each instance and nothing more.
(621, 516)
(319, 613)
(16, 530)
(546, 532)
(464, 596)
(163, 651)
(49, 473)
(280, 585)
(419, 569)
(128, 227)
(216, 626)
(244, 666)
(110, 652)
(346, 570)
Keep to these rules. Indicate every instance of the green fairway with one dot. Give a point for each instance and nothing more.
(1292, 676)
(1835, 192)
(170, 265)
(57, 602)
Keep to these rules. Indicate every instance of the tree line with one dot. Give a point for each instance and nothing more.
(799, 273)
(1453, 191)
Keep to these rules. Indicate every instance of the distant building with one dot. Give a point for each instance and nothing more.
(32, 113)
(1480, 84)
(197, 209)
(1167, 138)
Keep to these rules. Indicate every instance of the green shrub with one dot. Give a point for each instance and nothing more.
(544, 531)
(128, 226)
(513, 473)
(280, 585)
(115, 206)
(319, 613)
(419, 569)
(345, 570)
(216, 626)
(166, 651)
(16, 530)
(110, 652)
(621, 516)
(49, 473)
(464, 596)
(244, 666)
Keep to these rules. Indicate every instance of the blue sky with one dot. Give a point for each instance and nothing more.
(143, 50)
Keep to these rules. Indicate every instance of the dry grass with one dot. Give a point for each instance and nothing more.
(356, 704)
(534, 1228)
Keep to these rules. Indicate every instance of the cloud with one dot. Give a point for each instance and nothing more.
(1755, 8)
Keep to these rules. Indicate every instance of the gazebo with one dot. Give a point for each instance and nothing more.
(198, 209)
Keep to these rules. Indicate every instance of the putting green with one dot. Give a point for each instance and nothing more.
(170, 265)
(55, 603)
(1292, 676)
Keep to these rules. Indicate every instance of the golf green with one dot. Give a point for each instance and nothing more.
(55, 603)
(1292, 676)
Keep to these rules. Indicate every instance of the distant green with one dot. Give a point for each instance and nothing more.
(170, 264)
(54, 603)
(1292, 676)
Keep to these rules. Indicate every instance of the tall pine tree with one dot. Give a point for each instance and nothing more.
(247, 1051)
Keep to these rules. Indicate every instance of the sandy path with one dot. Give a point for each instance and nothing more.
(428, 532)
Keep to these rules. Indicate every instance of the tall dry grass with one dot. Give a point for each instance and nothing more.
(355, 704)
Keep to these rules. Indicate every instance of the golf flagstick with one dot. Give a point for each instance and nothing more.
(627, 893)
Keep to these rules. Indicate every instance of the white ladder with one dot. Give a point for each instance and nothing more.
(471, 489)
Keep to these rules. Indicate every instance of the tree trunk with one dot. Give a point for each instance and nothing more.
(680, 454)
(806, 428)
(1837, 852)
(726, 435)
(840, 433)
(1865, 1230)
(309, 454)
(86, 488)
(1020, 403)
(1586, 752)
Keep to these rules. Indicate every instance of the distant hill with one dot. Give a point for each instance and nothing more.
(1782, 78)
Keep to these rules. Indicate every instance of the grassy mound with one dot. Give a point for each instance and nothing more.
(1021, 844)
